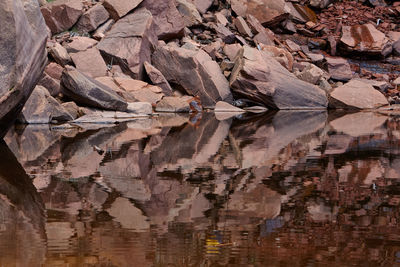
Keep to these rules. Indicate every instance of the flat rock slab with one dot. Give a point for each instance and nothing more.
(259, 77)
(194, 71)
(90, 62)
(61, 15)
(130, 42)
(356, 95)
(87, 91)
(119, 8)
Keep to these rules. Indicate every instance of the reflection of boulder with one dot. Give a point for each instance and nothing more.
(360, 123)
(191, 145)
(128, 215)
(262, 141)
(21, 215)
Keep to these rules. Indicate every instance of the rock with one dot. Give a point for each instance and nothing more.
(364, 38)
(157, 78)
(239, 7)
(320, 3)
(396, 81)
(202, 5)
(61, 15)
(101, 31)
(382, 86)
(222, 106)
(90, 62)
(231, 50)
(72, 109)
(221, 19)
(396, 47)
(268, 12)
(189, 12)
(140, 108)
(141, 91)
(79, 43)
(93, 18)
(129, 43)
(259, 77)
(356, 95)
(168, 21)
(52, 85)
(280, 55)
(54, 70)
(119, 8)
(224, 33)
(339, 69)
(60, 54)
(359, 123)
(22, 56)
(194, 71)
(242, 27)
(174, 104)
(293, 46)
(311, 74)
(41, 107)
(87, 91)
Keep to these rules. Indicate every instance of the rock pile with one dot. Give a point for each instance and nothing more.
(188, 55)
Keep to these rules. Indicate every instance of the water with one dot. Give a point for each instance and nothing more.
(281, 189)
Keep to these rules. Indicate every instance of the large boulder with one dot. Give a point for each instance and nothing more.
(169, 22)
(22, 55)
(87, 91)
(130, 42)
(61, 15)
(356, 94)
(259, 77)
(365, 39)
(194, 71)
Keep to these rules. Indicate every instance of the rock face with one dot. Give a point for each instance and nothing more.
(259, 77)
(41, 107)
(194, 71)
(87, 91)
(62, 14)
(356, 95)
(22, 55)
(130, 42)
(169, 22)
(364, 38)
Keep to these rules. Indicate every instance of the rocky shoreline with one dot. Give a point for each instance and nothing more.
(114, 60)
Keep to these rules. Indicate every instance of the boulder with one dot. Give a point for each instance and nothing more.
(356, 94)
(194, 71)
(93, 18)
(60, 54)
(87, 91)
(242, 27)
(259, 77)
(61, 15)
(189, 12)
(119, 8)
(41, 107)
(268, 12)
(130, 42)
(168, 21)
(202, 5)
(90, 62)
(364, 38)
(22, 55)
(311, 74)
(174, 104)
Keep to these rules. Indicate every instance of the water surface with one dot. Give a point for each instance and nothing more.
(280, 189)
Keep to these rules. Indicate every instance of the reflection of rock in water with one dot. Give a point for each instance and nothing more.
(21, 215)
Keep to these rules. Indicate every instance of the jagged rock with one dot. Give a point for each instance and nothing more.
(93, 18)
(119, 8)
(339, 69)
(168, 21)
(72, 109)
(189, 12)
(22, 55)
(90, 62)
(221, 19)
(130, 41)
(231, 50)
(224, 33)
(268, 12)
(61, 15)
(139, 90)
(103, 29)
(280, 55)
(311, 74)
(52, 85)
(194, 71)
(259, 77)
(79, 43)
(60, 54)
(242, 27)
(41, 107)
(222, 106)
(174, 104)
(202, 5)
(356, 95)
(157, 78)
(364, 38)
(87, 91)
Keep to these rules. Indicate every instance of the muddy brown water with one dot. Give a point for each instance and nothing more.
(282, 189)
